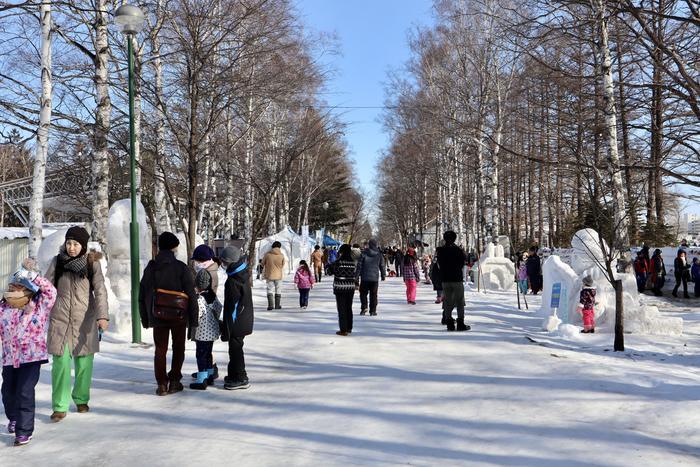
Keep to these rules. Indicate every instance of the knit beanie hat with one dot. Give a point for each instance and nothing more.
(202, 253)
(372, 243)
(588, 281)
(167, 241)
(203, 280)
(80, 235)
(230, 255)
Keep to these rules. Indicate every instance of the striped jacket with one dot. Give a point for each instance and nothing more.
(410, 270)
(343, 277)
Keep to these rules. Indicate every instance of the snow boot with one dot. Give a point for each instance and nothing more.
(212, 375)
(461, 326)
(201, 382)
(278, 302)
(450, 324)
(270, 302)
(83, 408)
(363, 312)
(373, 313)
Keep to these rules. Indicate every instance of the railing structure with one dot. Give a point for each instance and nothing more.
(18, 192)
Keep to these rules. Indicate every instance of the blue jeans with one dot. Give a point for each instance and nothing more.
(18, 395)
(304, 297)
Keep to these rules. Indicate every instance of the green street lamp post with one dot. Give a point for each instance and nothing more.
(131, 19)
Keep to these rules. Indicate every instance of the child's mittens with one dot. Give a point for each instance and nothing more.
(29, 270)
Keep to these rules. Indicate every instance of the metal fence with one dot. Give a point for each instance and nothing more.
(12, 252)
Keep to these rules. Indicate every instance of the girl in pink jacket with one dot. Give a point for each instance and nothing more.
(24, 312)
(305, 282)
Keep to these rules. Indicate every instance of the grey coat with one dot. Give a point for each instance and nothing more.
(371, 266)
(78, 307)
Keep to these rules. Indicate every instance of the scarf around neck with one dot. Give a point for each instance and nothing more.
(76, 264)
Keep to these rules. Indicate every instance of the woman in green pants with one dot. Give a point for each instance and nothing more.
(80, 309)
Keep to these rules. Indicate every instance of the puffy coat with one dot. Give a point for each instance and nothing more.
(317, 258)
(24, 332)
(681, 270)
(451, 260)
(273, 265)
(166, 272)
(410, 269)
(303, 279)
(371, 266)
(238, 301)
(80, 303)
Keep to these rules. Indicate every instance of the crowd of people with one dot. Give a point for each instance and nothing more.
(64, 313)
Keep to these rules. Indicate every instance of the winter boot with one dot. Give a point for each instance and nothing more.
(232, 385)
(278, 302)
(363, 312)
(201, 382)
(212, 375)
(450, 324)
(270, 302)
(461, 326)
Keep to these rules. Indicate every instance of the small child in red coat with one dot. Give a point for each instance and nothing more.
(585, 306)
(305, 282)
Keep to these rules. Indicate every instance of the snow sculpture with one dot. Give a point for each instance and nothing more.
(119, 253)
(496, 272)
(587, 252)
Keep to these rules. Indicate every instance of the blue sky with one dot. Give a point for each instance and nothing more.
(372, 37)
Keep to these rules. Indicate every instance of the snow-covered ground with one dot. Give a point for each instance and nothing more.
(399, 390)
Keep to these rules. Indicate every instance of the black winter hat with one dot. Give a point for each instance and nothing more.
(80, 235)
(167, 241)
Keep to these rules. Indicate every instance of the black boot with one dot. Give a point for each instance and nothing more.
(450, 324)
(461, 326)
(278, 302)
(270, 302)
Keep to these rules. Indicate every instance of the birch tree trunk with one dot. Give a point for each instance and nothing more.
(36, 204)
(137, 112)
(161, 205)
(249, 196)
(100, 158)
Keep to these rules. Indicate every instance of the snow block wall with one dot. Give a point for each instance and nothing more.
(119, 265)
(585, 256)
(495, 271)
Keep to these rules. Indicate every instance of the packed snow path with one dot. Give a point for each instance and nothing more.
(399, 390)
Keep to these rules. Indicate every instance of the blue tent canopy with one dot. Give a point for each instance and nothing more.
(330, 241)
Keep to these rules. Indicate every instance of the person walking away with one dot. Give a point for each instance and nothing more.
(207, 331)
(369, 269)
(168, 304)
(398, 262)
(356, 252)
(332, 255)
(76, 320)
(436, 277)
(325, 260)
(534, 270)
(304, 281)
(451, 260)
(681, 269)
(273, 272)
(658, 273)
(411, 275)
(522, 274)
(237, 315)
(641, 271)
(24, 313)
(427, 261)
(317, 262)
(695, 275)
(344, 285)
(586, 305)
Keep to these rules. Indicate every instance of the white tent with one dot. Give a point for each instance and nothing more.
(294, 247)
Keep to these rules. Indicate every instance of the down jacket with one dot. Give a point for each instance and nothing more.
(23, 331)
(273, 265)
(238, 301)
(80, 303)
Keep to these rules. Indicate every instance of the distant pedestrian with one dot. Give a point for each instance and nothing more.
(411, 275)
(24, 313)
(658, 273)
(436, 277)
(534, 270)
(522, 274)
(317, 263)
(586, 305)
(451, 260)
(641, 271)
(369, 269)
(304, 281)
(695, 275)
(356, 252)
(681, 270)
(344, 285)
(398, 262)
(273, 272)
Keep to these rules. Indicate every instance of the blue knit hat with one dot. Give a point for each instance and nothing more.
(202, 253)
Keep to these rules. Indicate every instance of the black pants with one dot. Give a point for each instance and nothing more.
(18, 395)
(344, 304)
(399, 268)
(684, 281)
(205, 360)
(304, 297)
(161, 336)
(236, 360)
(371, 289)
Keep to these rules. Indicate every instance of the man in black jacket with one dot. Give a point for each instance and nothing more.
(451, 260)
(237, 316)
(369, 268)
(167, 273)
